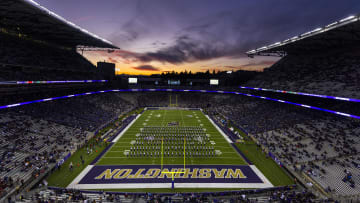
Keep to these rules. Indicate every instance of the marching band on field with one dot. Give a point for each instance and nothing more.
(152, 141)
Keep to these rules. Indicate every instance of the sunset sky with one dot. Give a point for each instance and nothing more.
(195, 35)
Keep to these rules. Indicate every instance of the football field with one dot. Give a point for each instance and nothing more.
(172, 121)
(167, 148)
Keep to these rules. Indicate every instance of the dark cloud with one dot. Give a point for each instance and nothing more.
(131, 29)
(258, 63)
(187, 49)
(112, 60)
(158, 43)
(224, 34)
(189, 31)
(232, 32)
(264, 63)
(147, 68)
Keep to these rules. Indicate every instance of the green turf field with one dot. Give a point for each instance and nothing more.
(183, 118)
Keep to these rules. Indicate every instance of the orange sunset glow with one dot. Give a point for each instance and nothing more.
(127, 63)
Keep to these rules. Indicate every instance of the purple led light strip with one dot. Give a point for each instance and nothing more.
(48, 82)
(177, 90)
(58, 81)
(302, 93)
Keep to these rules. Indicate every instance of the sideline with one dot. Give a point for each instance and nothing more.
(125, 129)
(75, 182)
(219, 129)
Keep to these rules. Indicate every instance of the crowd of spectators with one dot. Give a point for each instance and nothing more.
(323, 149)
(318, 144)
(333, 73)
(255, 115)
(281, 195)
(85, 113)
(35, 136)
(161, 99)
(26, 59)
(29, 146)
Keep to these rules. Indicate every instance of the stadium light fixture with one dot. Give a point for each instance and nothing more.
(34, 3)
(317, 29)
(332, 24)
(306, 33)
(347, 18)
(336, 24)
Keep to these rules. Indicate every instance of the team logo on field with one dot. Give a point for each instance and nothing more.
(154, 174)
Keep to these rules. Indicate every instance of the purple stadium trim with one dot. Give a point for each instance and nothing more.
(178, 90)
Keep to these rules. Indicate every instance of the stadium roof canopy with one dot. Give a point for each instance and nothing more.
(341, 33)
(30, 18)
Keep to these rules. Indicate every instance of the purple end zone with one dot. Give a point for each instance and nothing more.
(151, 174)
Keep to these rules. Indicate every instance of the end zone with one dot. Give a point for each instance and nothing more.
(150, 176)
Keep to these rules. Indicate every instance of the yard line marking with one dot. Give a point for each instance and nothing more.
(221, 143)
(192, 158)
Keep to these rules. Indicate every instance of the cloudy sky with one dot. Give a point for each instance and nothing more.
(197, 35)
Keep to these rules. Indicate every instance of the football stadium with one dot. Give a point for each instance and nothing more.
(179, 101)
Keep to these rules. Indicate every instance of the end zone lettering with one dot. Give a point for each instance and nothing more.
(123, 174)
(141, 173)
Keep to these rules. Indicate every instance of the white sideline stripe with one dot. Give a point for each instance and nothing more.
(260, 175)
(80, 176)
(119, 157)
(217, 128)
(176, 164)
(125, 129)
(168, 185)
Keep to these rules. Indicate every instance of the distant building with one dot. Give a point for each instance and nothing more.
(107, 69)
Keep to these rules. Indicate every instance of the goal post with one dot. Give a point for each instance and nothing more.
(172, 172)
